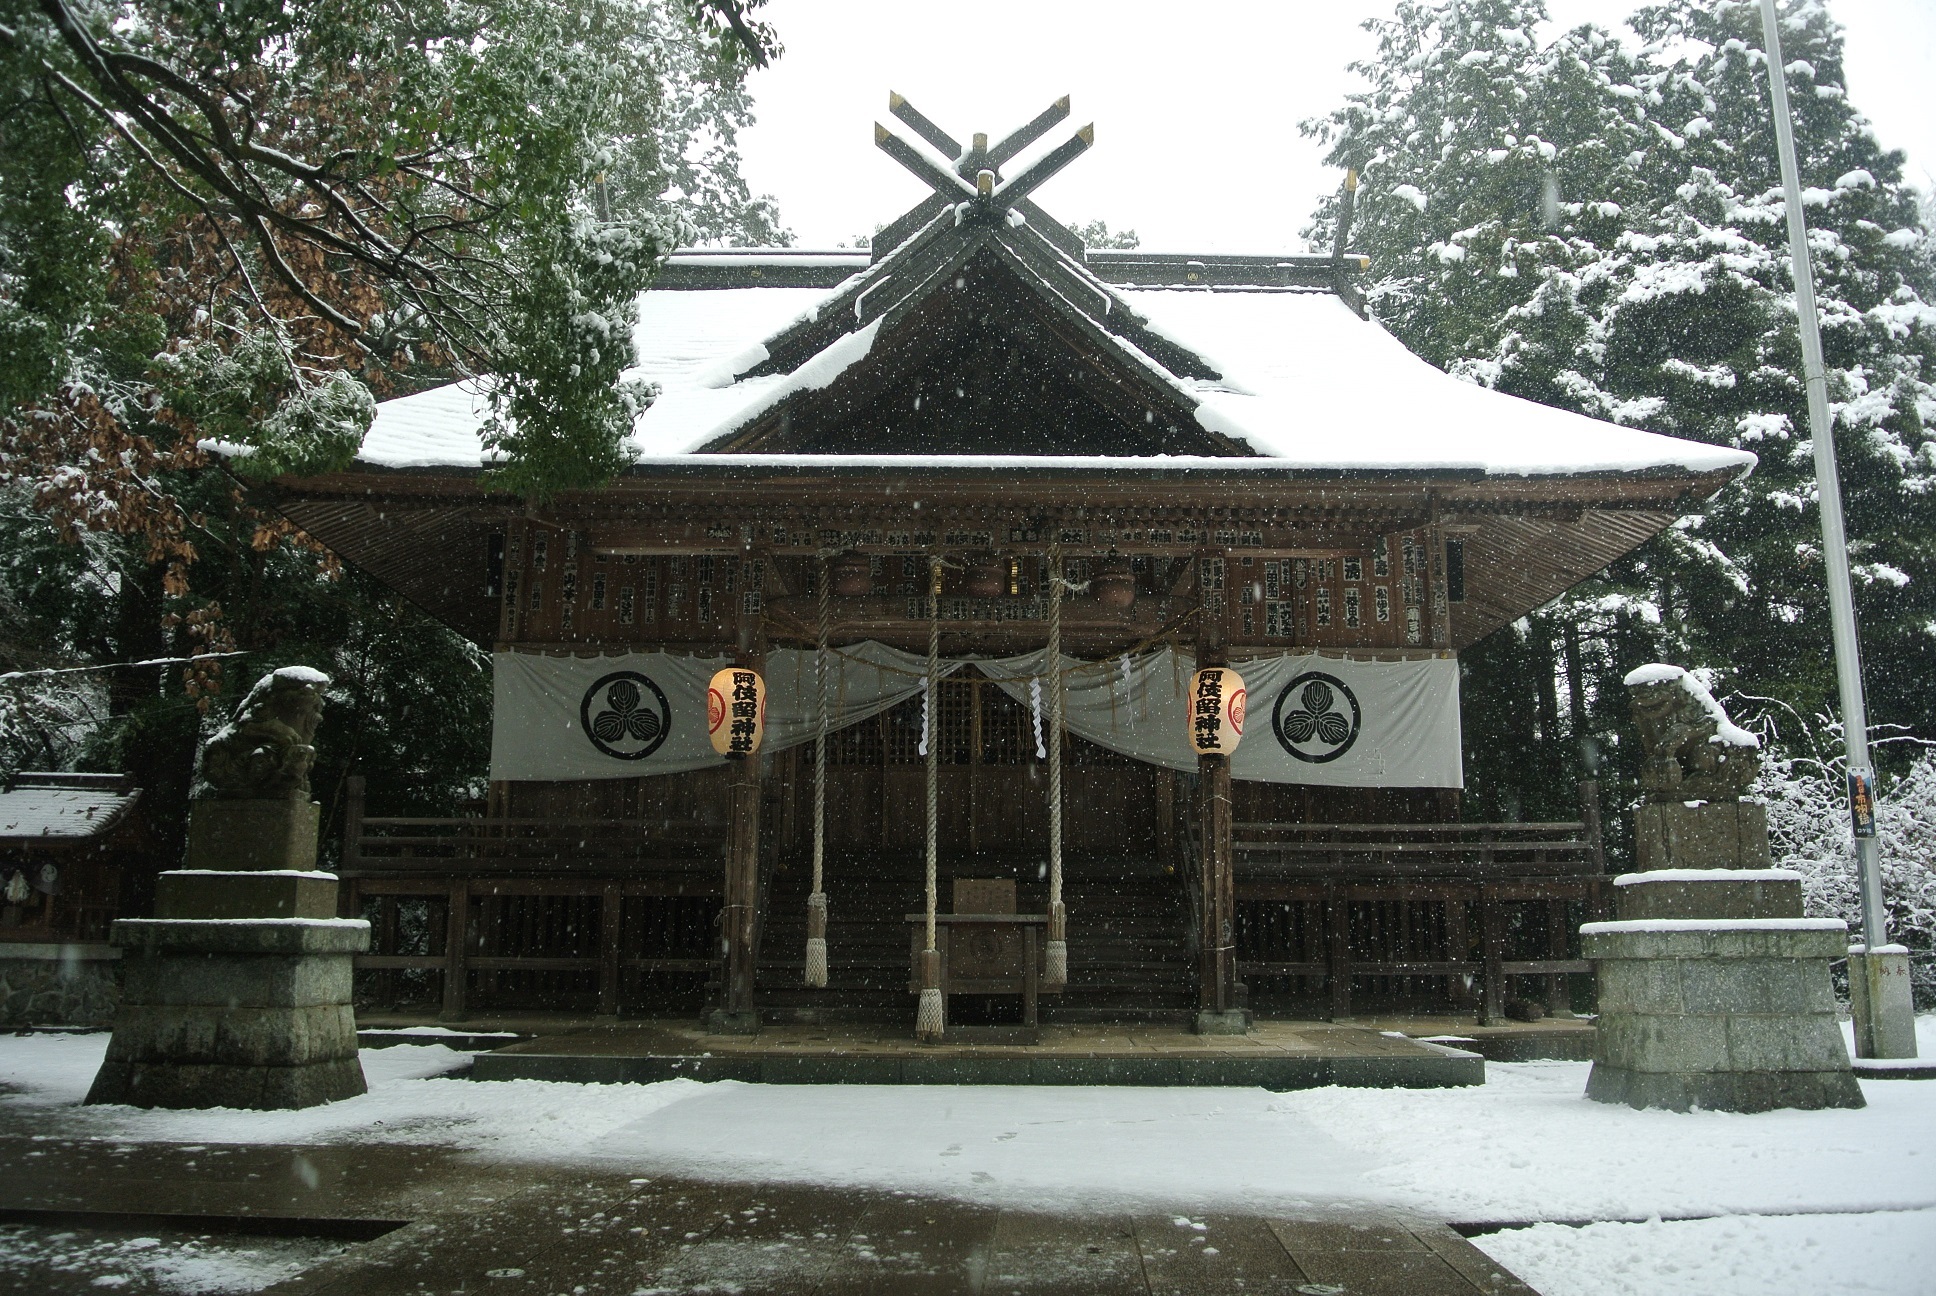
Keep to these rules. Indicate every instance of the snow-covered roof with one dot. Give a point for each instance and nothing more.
(1304, 383)
(62, 806)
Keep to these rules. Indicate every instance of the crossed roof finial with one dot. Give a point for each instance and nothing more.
(976, 177)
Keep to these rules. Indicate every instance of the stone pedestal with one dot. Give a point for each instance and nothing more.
(1728, 1015)
(237, 993)
(1714, 990)
(234, 1013)
(253, 833)
(1885, 1014)
(1700, 835)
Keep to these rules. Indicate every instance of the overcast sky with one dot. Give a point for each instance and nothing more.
(1196, 104)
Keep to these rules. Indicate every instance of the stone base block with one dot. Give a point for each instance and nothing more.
(67, 984)
(253, 835)
(1736, 1091)
(1733, 1015)
(1234, 1022)
(234, 1013)
(204, 1084)
(1880, 1002)
(1723, 893)
(1707, 835)
(221, 893)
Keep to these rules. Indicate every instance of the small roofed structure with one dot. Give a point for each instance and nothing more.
(65, 843)
(75, 855)
(977, 441)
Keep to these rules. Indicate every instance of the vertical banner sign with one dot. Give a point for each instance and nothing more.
(1217, 699)
(736, 712)
(1861, 804)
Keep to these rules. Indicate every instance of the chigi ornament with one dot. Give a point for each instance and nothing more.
(736, 712)
(1217, 698)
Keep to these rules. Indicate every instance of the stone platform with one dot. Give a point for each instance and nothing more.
(248, 1013)
(1274, 1055)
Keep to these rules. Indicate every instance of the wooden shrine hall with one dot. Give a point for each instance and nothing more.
(976, 508)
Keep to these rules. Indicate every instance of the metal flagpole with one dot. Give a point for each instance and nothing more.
(1876, 1033)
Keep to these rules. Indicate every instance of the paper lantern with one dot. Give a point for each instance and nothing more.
(984, 578)
(853, 575)
(736, 712)
(1115, 586)
(1217, 699)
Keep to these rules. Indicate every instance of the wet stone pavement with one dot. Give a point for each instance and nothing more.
(93, 1215)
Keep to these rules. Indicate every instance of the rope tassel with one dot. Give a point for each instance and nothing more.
(817, 940)
(930, 1018)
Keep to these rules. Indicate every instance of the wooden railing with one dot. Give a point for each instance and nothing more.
(1322, 904)
(599, 873)
(1471, 850)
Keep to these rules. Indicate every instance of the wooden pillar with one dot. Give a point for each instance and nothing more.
(1458, 943)
(457, 935)
(1337, 914)
(739, 915)
(1219, 1006)
(1558, 1004)
(1165, 817)
(1216, 940)
(1492, 941)
(1596, 842)
(611, 917)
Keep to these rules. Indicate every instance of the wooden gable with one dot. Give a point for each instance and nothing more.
(986, 360)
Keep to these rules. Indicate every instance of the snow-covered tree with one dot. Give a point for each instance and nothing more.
(1600, 227)
(1806, 793)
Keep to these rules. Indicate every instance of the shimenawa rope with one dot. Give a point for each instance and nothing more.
(817, 901)
(1055, 971)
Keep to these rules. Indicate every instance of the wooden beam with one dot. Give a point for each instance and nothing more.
(918, 122)
(1014, 142)
(1013, 190)
(929, 172)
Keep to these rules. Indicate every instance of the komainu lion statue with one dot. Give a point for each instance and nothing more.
(266, 751)
(1691, 751)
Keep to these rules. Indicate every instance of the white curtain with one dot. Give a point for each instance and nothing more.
(1311, 719)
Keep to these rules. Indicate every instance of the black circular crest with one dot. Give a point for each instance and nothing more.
(625, 715)
(1316, 717)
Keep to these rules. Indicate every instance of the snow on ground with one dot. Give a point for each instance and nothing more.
(1526, 1146)
(1886, 1254)
(166, 1262)
(411, 1100)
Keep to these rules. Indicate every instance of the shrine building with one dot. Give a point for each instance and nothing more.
(974, 508)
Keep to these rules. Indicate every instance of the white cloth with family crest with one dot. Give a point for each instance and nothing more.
(1311, 719)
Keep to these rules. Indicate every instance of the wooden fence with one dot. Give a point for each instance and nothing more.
(1396, 907)
(603, 899)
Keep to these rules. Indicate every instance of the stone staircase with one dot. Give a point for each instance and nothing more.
(1129, 941)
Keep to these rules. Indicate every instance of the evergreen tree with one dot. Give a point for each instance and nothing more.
(1601, 229)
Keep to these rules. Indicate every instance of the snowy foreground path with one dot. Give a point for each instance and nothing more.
(1781, 1202)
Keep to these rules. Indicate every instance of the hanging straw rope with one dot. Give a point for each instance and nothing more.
(817, 901)
(1055, 971)
(929, 1019)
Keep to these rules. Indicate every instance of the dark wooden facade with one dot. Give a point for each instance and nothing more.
(1005, 398)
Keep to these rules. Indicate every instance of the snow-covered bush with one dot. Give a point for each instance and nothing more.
(1808, 831)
